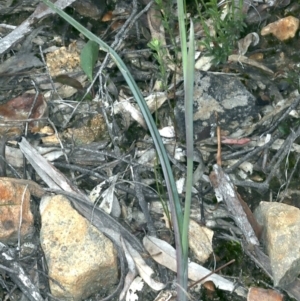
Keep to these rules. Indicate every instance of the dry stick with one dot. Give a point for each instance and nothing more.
(18, 276)
(122, 187)
(225, 191)
(287, 145)
(142, 202)
(213, 272)
(3, 140)
(283, 149)
(259, 149)
(237, 154)
(252, 153)
(21, 219)
(219, 156)
(284, 115)
(290, 178)
(234, 205)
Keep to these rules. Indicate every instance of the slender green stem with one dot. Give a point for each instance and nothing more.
(188, 77)
(189, 88)
(180, 224)
(182, 31)
(170, 182)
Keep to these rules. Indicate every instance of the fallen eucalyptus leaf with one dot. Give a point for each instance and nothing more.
(165, 254)
(144, 270)
(131, 274)
(250, 39)
(136, 285)
(109, 202)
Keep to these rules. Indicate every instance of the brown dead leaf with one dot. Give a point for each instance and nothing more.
(26, 106)
(23, 107)
(69, 81)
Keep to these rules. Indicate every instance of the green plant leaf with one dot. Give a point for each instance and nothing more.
(88, 58)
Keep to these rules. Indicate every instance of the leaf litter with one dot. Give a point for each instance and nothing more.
(125, 139)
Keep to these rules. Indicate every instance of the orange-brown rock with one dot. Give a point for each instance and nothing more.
(282, 29)
(15, 212)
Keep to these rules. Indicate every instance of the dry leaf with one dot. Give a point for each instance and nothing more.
(132, 271)
(250, 39)
(109, 201)
(136, 285)
(243, 59)
(165, 254)
(144, 270)
(167, 132)
(166, 296)
(23, 107)
(204, 63)
(26, 106)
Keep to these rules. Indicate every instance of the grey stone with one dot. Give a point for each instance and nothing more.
(223, 94)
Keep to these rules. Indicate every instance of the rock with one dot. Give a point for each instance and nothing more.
(86, 130)
(259, 294)
(220, 93)
(281, 238)
(200, 241)
(13, 198)
(79, 257)
(282, 29)
(90, 8)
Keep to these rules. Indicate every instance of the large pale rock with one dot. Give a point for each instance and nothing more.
(14, 206)
(80, 258)
(281, 237)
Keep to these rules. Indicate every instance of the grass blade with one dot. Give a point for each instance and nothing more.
(176, 210)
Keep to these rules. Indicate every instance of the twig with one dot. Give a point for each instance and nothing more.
(286, 146)
(290, 178)
(213, 272)
(21, 218)
(284, 115)
(142, 202)
(18, 276)
(225, 191)
(48, 72)
(252, 153)
(219, 159)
